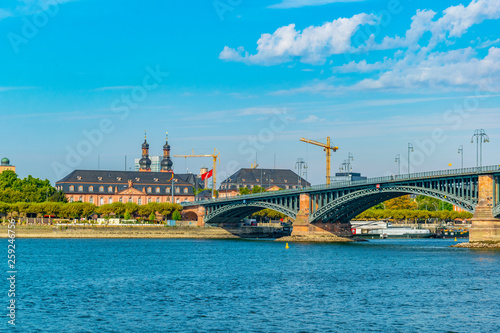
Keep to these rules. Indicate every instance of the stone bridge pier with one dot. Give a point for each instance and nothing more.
(485, 227)
(194, 213)
(302, 226)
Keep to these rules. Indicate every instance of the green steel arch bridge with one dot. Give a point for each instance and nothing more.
(476, 190)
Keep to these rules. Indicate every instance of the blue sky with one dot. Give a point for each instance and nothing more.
(84, 78)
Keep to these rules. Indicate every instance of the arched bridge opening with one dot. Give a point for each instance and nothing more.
(348, 206)
(236, 212)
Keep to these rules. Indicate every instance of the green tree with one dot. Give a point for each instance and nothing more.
(176, 215)
(244, 190)
(402, 202)
(152, 217)
(127, 216)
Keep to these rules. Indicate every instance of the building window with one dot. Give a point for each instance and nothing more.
(110, 200)
(79, 177)
(130, 199)
(80, 199)
(157, 190)
(186, 190)
(157, 200)
(294, 186)
(110, 189)
(286, 181)
(91, 188)
(101, 201)
(72, 188)
(118, 178)
(287, 187)
(156, 179)
(257, 180)
(149, 200)
(120, 200)
(101, 188)
(91, 200)
(99, 178)
(80, 188)
(139, 201)
(71, 199)
(149, 189)
(177, 190)
(138, 179)
(168, 190)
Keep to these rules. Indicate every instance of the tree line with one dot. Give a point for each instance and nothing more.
(77, 210)
(30, 189)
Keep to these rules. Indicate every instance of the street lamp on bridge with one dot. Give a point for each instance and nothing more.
(461, 152)
(480, 136)
(410, 149)
(398, 160)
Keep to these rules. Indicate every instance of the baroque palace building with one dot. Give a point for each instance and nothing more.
(101, 187)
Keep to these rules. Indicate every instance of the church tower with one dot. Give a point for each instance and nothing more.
(145, 162)
(166, 163)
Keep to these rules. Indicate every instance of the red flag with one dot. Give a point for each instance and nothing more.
(207, 175)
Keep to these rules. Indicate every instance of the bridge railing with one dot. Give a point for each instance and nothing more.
(376, 180)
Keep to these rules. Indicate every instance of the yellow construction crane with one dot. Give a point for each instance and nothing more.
(326, 147)
(215, 156)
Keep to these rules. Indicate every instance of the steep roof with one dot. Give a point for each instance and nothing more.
(265, 177)
(106, 176)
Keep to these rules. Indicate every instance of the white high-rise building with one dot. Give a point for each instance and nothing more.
(155, 163)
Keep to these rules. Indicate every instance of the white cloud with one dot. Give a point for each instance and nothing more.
(363, 66)
(311, 119)
(312, 45)
(454, 22)
(443, 70)
(304, 3)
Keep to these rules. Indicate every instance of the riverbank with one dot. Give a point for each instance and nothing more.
(96, 231)
(479, 245)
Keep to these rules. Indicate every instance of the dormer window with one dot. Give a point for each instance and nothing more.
(156, 179)
(137, 179)
(286, 181)
(99, 178)
(257, 180)
(79, 177)
(118, 178)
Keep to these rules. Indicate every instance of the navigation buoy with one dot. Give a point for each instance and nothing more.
(286, 247)
(455, 239)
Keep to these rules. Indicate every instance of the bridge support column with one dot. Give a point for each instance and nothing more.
(305, 231)
(200, 213)
(485, 227)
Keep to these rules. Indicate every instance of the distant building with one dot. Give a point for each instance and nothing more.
(155, 163)
(346, 176)
(5, 165)
(269, 179)
(144, 186)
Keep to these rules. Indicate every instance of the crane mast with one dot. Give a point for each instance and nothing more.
(328, 149)
(214, 156)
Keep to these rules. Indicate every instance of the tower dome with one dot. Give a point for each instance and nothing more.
(5, 161)
(145, 162)
(166, 163)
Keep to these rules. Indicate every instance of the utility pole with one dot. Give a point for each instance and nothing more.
(398, 160)
(410, 149)
(349, 168)
(300, 164)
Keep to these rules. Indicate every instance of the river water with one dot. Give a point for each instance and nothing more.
(135, 285)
